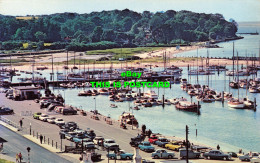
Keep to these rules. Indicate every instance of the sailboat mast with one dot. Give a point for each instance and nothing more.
(237, 77)
(233, 61)
(197, 67)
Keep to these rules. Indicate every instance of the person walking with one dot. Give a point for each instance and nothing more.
(20, 157)
(41, 138)
(21, 123)
(16, 158)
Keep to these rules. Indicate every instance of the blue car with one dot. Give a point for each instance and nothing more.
(161, 142)
(121, 155)
(146, 146)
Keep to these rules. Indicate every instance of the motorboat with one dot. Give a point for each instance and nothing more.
(103, 91)
(151, 94)
(188, 106)
(236, 103)
(113, 105)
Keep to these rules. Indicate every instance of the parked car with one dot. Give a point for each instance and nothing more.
(59, 121)
(255, 160)
(70, 135)
(95, 156)
(78, 138)
(44, 117)
(217, 155)
(70, 125)
(111, 144)
(146, 146)
(90, 134)
(97, 140)
(37, 115)
(232, 154)
(51, 120)
(191, 153)
(68, 111)
(161, 142)
(6, 111)
(135, 141)
(88, 143)
(161, 153)
(64, 131)
(121, 155)
(248, 156)
(175, 145)
(153, 139)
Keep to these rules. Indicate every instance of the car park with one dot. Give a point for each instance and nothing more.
(146, 146)
(161, 142)
(37, 115)
(161, 153)
(216, 154)
(121, 155)
(44, 117)
(191, 154)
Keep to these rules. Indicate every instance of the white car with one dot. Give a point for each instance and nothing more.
(51, 119)
(44, 117)
(255, 160)
(59, 121)
(97, 140)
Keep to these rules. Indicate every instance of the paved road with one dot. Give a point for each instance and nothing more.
(16, 143)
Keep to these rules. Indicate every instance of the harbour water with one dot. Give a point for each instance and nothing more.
(231, 128)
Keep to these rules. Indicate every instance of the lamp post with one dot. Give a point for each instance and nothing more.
(28, 149)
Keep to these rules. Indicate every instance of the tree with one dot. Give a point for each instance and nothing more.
(40, 36)
(96, 34)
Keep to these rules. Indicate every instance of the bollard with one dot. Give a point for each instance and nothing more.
(44, 139)
(33, 133)
(255, 104)
(56, 145)
(37, 135)
(48, 141)
(52, 143)
(163, 100)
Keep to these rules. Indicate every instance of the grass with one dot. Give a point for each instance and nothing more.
(13, 60)
(5, 161)
(123, 52)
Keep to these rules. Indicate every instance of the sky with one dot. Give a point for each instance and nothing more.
(240, 10)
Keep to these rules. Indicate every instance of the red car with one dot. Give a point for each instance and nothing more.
(153, 139)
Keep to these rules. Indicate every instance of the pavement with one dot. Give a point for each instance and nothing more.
(25, 109)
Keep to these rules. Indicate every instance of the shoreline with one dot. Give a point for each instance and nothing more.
(181, 63)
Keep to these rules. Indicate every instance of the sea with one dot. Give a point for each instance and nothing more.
(218, 124)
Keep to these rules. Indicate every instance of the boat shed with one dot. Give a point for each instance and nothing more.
(25, 92)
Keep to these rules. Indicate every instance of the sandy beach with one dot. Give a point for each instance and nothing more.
(58, 58)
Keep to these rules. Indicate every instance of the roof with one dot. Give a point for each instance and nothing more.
(2, 140)
(25, 87)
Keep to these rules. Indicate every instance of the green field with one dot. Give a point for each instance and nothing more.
(123, 52)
